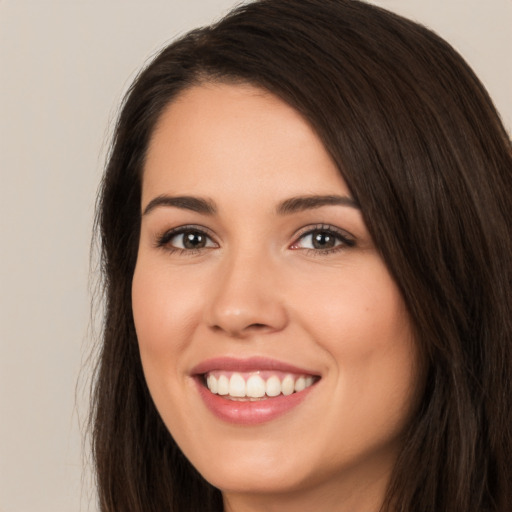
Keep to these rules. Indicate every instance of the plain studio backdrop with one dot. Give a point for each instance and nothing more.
(64, 65)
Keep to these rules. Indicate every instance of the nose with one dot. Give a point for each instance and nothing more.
(246, 298)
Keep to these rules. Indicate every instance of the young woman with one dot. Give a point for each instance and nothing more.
(307, 262)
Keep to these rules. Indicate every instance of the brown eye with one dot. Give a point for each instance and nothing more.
(323, 240)
(192, 240)
(186, 239)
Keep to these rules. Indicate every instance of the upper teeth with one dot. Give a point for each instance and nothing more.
(254, 386)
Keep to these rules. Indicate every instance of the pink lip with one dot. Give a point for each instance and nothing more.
(251, 364)
(247, 412)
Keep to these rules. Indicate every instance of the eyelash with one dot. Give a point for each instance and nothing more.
(163, 241)
(346, 240)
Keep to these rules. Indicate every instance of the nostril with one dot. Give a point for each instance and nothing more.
(244, 331)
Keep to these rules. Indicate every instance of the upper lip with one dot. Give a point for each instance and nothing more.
(250, 364)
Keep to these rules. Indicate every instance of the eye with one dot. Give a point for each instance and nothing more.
(323, 239)
(186, 239)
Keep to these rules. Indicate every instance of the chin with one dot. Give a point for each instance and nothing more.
(253, 477)
(256, 466)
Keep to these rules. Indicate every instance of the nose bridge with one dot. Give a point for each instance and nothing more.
(246, 298)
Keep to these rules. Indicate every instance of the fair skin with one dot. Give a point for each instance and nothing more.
(240, 272)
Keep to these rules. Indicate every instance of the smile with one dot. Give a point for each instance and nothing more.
(259, 385)
(252, 391)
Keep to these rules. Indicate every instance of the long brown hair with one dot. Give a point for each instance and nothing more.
(418, 140)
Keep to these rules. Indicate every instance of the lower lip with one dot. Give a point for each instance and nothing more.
(250, 413)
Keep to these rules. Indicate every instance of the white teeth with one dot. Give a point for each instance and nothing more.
(237, 385)
(212, 384)
(300, 384)
(288, 385)
(222, 385)
(273, 386)
(255, 386)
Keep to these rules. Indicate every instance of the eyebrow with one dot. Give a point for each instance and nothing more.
(196, 204)
(302, 203)
(287, 207)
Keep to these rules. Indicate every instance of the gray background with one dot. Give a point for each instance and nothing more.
(64, 65)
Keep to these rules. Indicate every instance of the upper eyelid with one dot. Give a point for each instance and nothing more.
(190, 227)
(322, 227)
(170, 233)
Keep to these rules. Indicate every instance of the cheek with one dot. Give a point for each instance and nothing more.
(165, 310)
(357, 310)
(360, 321)
(165, 314)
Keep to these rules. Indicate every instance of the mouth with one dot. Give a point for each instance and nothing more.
(252, 391)
(256, 385)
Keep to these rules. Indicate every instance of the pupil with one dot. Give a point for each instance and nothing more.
(193, 240)
(323, 240)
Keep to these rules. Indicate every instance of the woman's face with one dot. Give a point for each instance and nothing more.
(274, 342)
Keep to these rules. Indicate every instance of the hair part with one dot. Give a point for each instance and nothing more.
(421, 147)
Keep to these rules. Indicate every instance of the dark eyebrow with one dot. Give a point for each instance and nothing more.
(301, 203)
(195, 204)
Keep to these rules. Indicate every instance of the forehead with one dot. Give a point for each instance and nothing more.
(222, 138)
